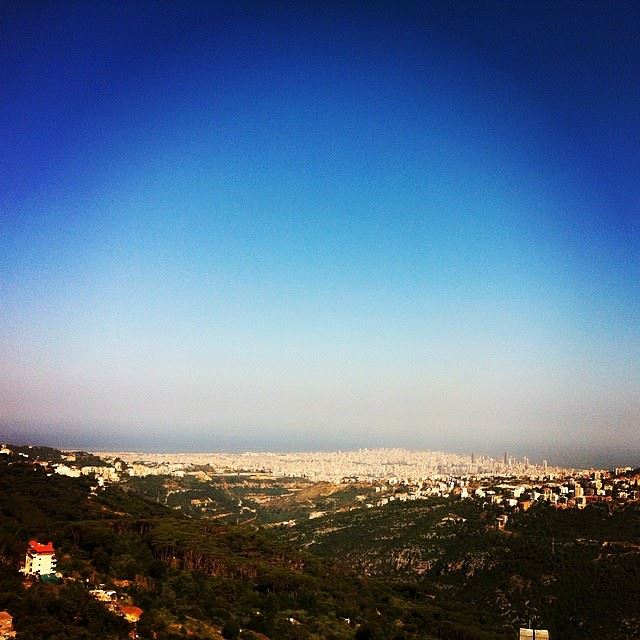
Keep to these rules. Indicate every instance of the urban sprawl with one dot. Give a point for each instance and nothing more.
(396, 474)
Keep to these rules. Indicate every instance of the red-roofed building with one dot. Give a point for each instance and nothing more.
(40, 559)
(38, 547)
(6, 625)
(130, 613)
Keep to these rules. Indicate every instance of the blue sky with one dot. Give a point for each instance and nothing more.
(302, 225)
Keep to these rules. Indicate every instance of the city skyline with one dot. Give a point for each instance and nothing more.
(560, 458)
(236, 226)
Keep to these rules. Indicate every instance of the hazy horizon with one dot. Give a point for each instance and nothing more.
(333, 225)
(564, 457)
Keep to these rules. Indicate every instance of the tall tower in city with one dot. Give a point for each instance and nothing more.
(506, 458)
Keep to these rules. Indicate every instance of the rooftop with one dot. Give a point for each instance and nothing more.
(38, 547)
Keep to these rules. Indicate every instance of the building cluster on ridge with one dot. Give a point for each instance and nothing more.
(421, 474)
(567, 491)
(394, 474)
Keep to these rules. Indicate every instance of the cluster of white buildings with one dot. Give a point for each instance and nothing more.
(108, 474)
(571, 491)
(396, 474)
(363, 465)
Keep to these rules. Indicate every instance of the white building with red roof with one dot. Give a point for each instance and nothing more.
(40, 559)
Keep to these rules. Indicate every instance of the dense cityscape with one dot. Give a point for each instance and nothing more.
(507, 481)
(364, 464)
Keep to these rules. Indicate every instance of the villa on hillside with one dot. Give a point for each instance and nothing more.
(40, 559)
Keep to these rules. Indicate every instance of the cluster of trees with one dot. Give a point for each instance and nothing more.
(576, 573)
(191, 577)
(62, 612)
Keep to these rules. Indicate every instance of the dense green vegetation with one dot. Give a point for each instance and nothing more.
(431, 570)
(194, 577)
(246, 497)
(576, 573)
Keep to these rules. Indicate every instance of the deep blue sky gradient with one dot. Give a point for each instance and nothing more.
(257, 225)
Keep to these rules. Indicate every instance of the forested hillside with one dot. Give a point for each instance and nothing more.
(576, 573)
(194, 578)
